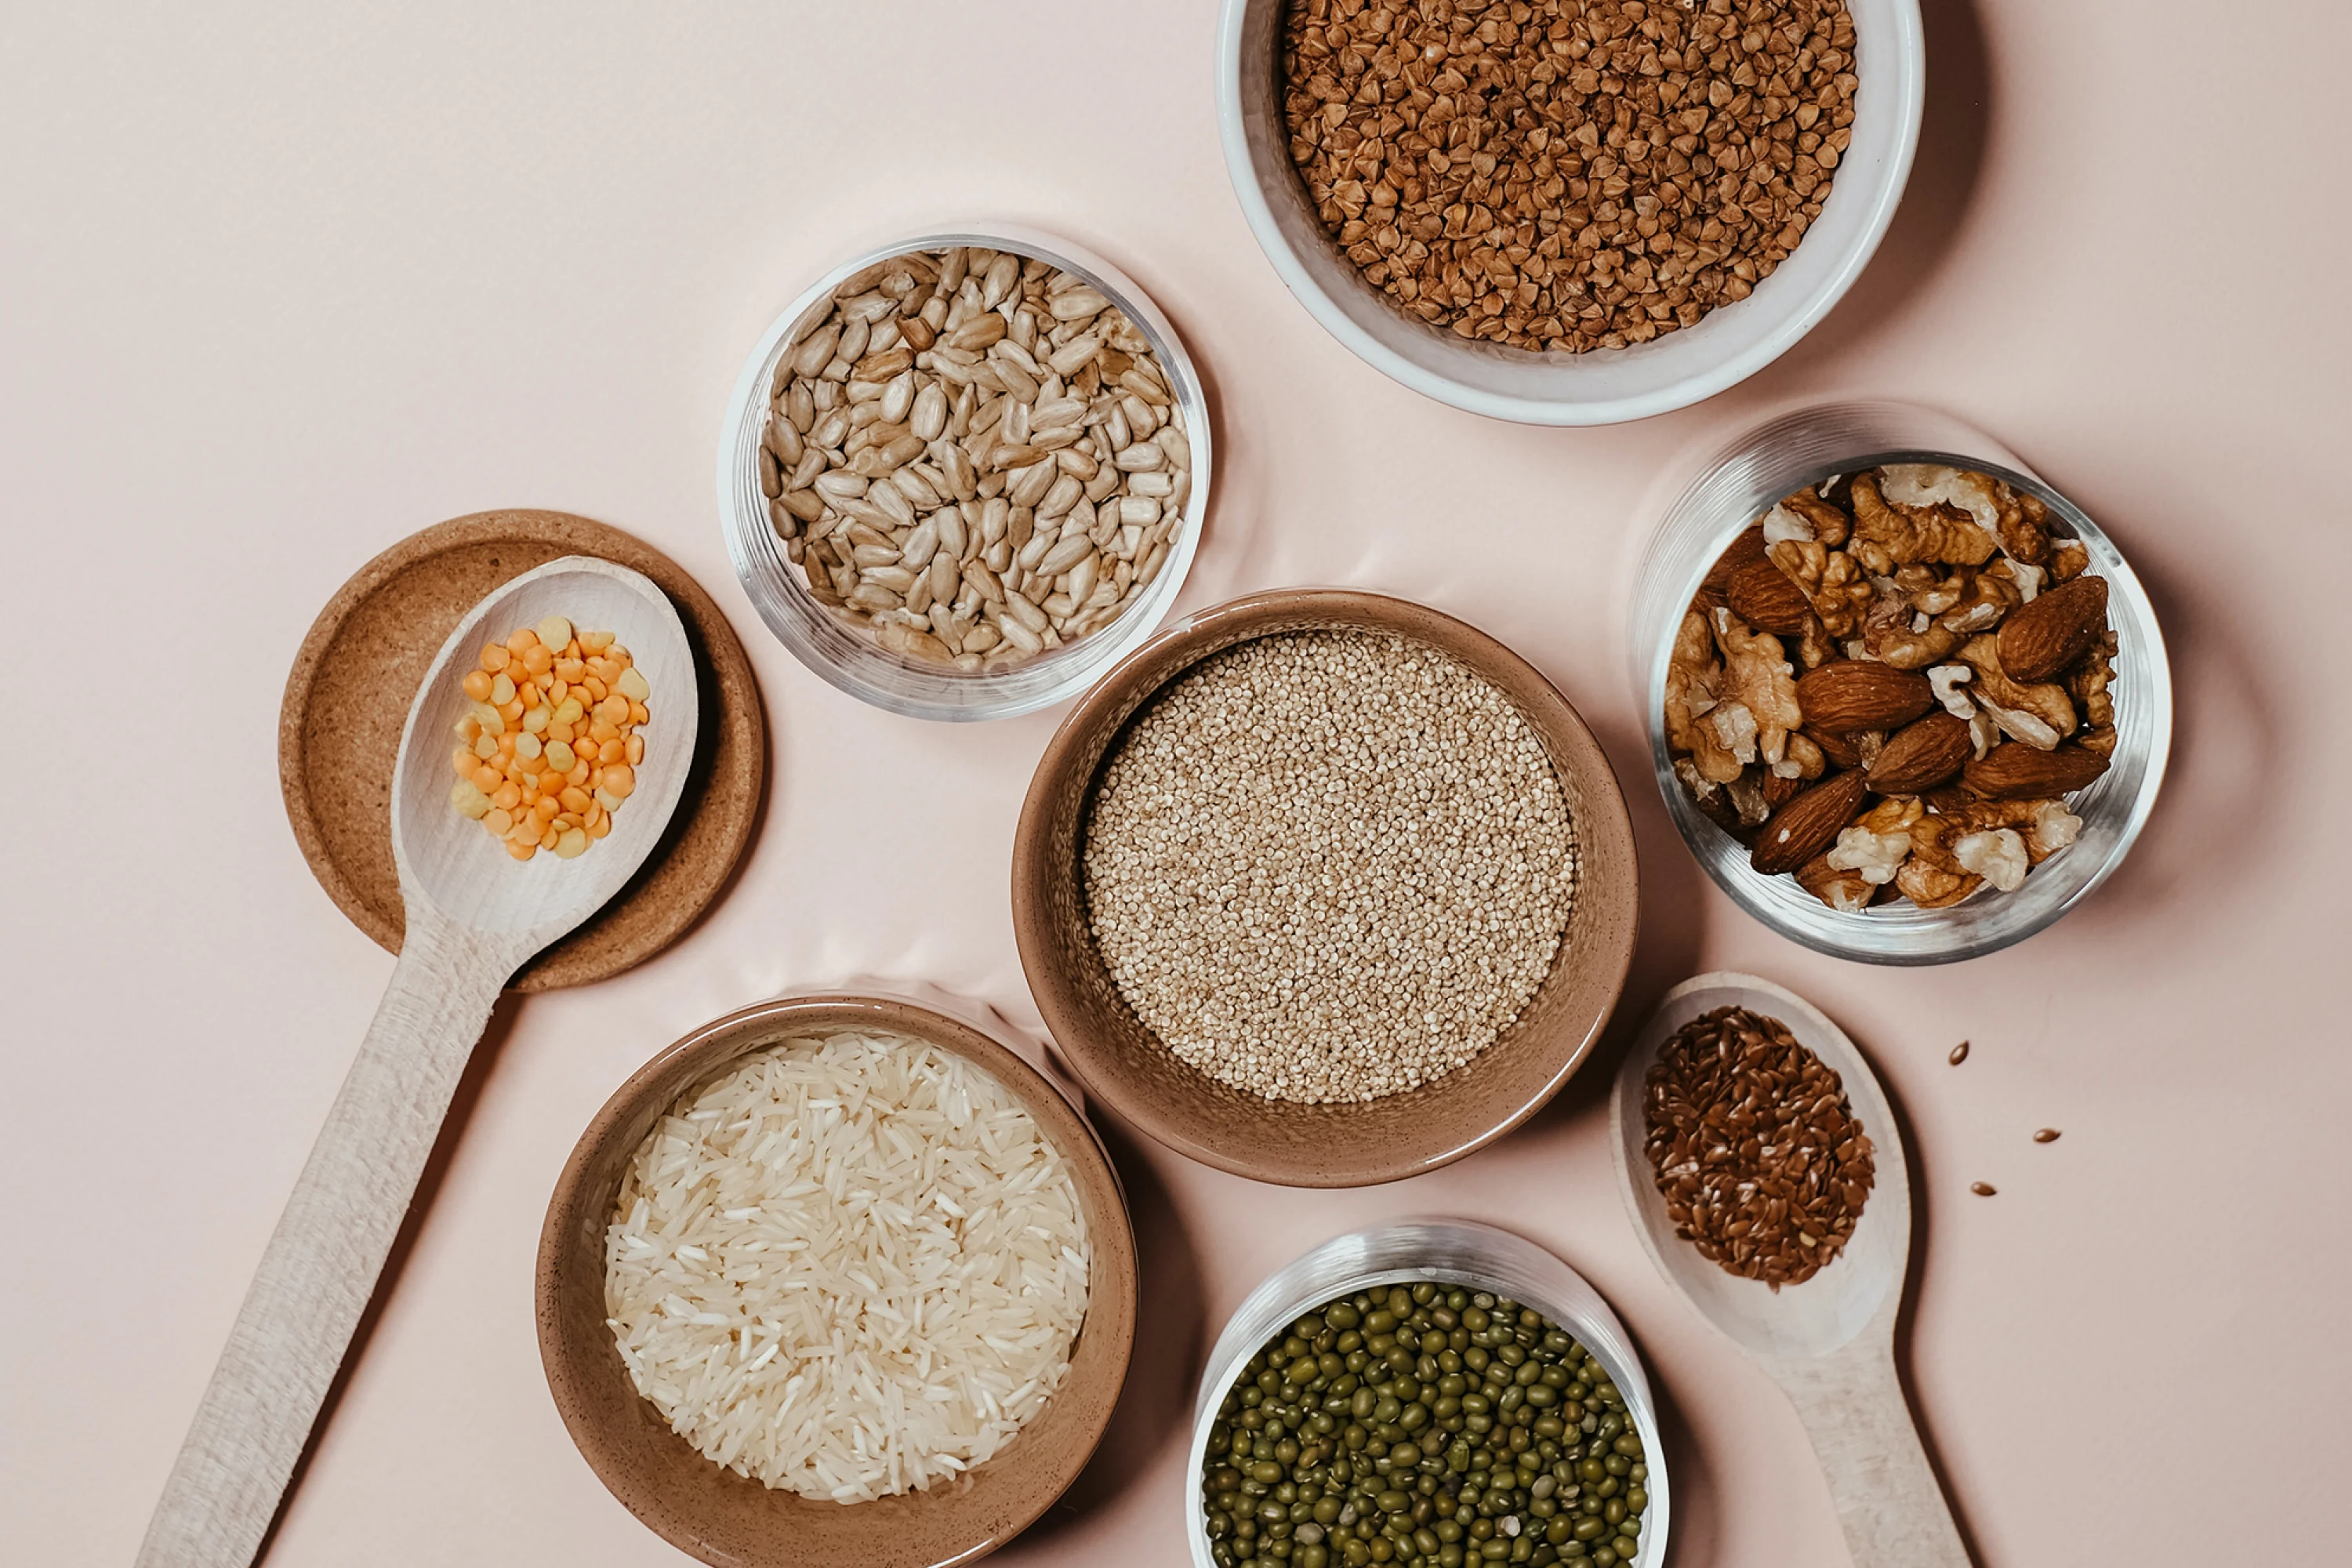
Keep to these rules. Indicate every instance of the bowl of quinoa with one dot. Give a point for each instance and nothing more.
(1324, 888)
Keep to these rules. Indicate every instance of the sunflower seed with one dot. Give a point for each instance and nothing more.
(815, 350)
(928, 415)
(1066, 554)
(781, 439)
(918, 485)
(941, 441)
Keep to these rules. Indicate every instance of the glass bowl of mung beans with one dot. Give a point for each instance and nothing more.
(1432, 1394)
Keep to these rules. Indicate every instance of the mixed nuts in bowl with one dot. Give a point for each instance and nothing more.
(965, 472)
(1908, 703)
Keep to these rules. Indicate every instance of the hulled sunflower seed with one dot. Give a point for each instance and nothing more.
(966, 451)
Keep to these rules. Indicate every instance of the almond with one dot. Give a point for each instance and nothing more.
(2015, 772)
(1778, 792)
(1862, 694)
(2042, 639)
(1921, 756)
(1945, 799)
(1838, 749)
(1745, 550)
(1808, 824)
(1761, 594)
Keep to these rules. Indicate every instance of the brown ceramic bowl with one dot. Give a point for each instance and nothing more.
(721, 1518)
(1122, 1063)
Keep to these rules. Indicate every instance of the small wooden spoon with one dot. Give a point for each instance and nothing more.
(474, 916)
(1829, 1342)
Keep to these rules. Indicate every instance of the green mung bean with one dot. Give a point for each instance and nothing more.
(1429, 1426)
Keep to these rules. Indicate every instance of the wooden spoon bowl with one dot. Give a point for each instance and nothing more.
(1829, 1342)
(461, 870)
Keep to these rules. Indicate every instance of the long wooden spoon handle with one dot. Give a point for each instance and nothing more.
(1893, 1512)
(322, 1261)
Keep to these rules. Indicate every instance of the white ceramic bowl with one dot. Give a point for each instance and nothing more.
(1450, 1252)
(1604, 386)
(1737, 486)
(849, 657)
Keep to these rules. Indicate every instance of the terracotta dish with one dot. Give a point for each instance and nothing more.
(1117, 1058)
(713, 1513)
(347, 696)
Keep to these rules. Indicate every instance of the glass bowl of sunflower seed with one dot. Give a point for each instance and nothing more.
(964, 473)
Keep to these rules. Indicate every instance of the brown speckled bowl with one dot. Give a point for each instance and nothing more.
(1121, 1062)
(713, 1513)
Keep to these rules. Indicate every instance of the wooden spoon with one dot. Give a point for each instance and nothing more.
(475, 915)
(1829, 1342)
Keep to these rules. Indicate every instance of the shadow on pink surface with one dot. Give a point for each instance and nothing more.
(1155, 1407)
(1945, 176)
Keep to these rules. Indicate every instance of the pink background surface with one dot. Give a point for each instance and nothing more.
(278, 287)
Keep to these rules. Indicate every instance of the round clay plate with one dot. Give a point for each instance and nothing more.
(348, 695)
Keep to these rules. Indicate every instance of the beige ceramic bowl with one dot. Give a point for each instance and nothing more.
(1122, 1063)
(713, 1513)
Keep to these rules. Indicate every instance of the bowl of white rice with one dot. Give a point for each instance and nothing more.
(837, 1279)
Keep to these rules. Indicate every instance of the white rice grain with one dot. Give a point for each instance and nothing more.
(850, 1267)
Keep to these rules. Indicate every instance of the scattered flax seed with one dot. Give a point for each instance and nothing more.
(1959, 1053)
(1763, 1167)
(2047, 1135)
(1981, 1189)
(1325, 866)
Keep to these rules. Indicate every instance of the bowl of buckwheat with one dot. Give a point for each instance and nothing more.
(1324, 888)
(1570, 213)
(964, 473)
(1908, 703)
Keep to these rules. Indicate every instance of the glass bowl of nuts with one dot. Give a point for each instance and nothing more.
(1582, 216)
(1907, 703)
(964, 473)
(1521, 1416)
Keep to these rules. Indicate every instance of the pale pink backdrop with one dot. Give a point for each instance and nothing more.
(282, 283)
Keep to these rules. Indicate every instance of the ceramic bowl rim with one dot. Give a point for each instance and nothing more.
(1110, 1312)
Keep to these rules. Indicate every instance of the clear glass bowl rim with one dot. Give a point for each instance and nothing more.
(1453, 1252)
(854, 663)
(1975, 926)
